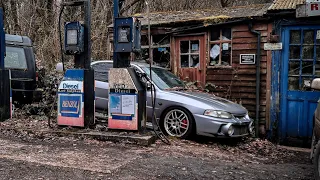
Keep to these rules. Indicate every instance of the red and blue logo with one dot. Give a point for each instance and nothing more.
(70, 105)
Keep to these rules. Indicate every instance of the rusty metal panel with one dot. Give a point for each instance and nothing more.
(301, 11)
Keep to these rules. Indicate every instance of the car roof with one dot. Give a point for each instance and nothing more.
(140, 64)
(18, 40)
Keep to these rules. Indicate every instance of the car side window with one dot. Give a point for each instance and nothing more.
(101, 71)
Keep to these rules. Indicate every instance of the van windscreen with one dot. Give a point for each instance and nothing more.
(15, 58)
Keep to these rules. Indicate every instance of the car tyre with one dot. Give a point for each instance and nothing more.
(186, 122)
(314, 143)
(316, 163)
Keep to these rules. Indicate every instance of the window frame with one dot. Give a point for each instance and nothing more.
(220, 42)
(189, 53)
(156, 45)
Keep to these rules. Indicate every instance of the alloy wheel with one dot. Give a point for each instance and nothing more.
(176, 123)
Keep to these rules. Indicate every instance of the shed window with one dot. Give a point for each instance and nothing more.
(220, 47)
(160, 49)
(189, 54)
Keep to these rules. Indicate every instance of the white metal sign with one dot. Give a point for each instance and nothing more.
(247, 59)
(318, 34)
(313, 8)
(272, 46)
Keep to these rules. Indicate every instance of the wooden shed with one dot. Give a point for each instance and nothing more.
(220, 50)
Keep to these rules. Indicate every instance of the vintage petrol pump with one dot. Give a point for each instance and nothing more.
(5, 78)
(76, 90)
(127, 95)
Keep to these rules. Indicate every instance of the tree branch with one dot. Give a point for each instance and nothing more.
(126, 8)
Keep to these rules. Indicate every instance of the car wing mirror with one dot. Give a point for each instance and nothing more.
(59, 67)
(315, 84)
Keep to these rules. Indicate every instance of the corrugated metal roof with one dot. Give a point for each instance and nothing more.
(211, 16)
(285, 4)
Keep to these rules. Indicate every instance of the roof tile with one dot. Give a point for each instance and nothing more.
(285, 4)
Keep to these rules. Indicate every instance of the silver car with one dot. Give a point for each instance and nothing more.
(180, 112)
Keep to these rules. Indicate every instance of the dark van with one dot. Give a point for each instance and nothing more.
(20, 59)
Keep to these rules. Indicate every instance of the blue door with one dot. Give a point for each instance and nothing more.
(300, 65)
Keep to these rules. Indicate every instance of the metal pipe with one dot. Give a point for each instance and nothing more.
(149, 34)
(258, 77)
(87, 39)
(115, 31)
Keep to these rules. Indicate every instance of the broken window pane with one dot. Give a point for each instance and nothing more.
(226, 34)
(306, 83)
(184, 46)
(294, 67)
(215, 34)
(317, 69)
(226, 54)
(308, 37)
(318, 53)
(294, 52)
(295, 36)
(161, 57)
(195, 46)
(214, 54)
(143, 54)
(160, 39)
(293, 83)
(307, 67)
(144, 40)
(307, 52)
(184, 59)
(194, 61)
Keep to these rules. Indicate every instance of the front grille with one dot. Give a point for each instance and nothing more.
(239, 116)
(240, 130)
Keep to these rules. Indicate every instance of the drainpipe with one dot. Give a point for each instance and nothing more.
(258, 77)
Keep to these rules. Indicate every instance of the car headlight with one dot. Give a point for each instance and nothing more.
(218, 114)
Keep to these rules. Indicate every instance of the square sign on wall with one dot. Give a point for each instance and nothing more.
(247, 59)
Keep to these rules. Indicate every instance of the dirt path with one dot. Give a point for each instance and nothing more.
(89, 159)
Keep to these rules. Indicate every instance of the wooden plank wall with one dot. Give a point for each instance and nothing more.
(238, 83)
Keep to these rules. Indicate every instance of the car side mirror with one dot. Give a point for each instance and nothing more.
(316, 84)
(59, 67)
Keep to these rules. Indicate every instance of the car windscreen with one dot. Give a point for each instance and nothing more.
(163, 78)
(15, 58)
(101, 70)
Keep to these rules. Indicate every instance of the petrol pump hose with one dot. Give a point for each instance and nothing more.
(159, 133)
(62, 59)
(61, 52)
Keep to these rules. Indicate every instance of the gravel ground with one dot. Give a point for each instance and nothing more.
(53, 157)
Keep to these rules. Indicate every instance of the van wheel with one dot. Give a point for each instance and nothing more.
(316, 162)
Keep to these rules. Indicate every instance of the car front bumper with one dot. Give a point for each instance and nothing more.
(215, 127)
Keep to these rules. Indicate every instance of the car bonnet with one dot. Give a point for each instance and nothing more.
(215, 102)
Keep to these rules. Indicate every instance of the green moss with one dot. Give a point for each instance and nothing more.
(215, 19)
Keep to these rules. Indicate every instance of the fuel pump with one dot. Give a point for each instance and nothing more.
(5, 78)
(127, 95)
(76, 90)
